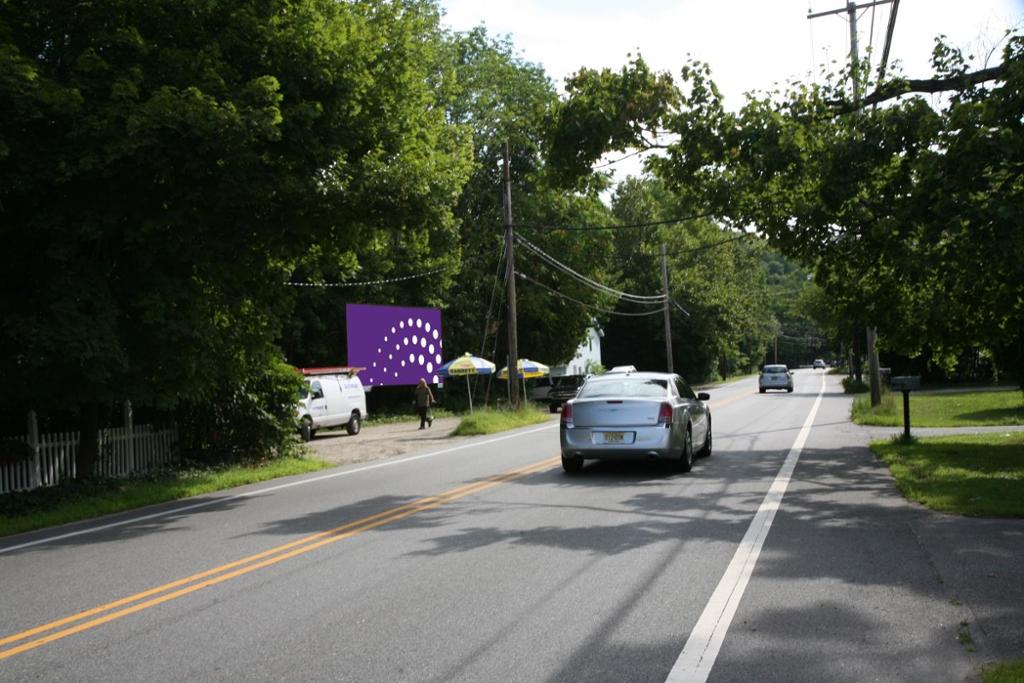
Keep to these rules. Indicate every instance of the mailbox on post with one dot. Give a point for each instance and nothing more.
(906, 384)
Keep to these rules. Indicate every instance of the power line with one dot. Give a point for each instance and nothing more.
(621, 226)
(705, 247)
(490, 306)
(555, 263)
(622, 158)
(382, 281)
(551, 290)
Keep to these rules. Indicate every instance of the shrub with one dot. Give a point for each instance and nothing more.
(852, 385)
(251, 420)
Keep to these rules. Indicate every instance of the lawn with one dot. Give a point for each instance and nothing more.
(972, 409)
(79, 500)
(489, 420)
(1010, 672)
(977, 475)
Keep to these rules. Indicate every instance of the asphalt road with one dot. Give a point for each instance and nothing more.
(486, 563)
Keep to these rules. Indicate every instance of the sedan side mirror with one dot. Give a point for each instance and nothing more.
(703, 396)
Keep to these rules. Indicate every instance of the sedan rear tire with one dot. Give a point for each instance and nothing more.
(705, 452)
(685, 462)
(572, 464)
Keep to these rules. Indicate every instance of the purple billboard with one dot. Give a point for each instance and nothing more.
(396, 344)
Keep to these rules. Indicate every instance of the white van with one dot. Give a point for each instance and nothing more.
(331, 397)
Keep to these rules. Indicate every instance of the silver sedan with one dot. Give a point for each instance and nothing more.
(651, 415)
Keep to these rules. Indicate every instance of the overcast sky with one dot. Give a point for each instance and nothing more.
(750, 44)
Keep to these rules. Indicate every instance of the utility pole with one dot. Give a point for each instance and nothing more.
(851, 10)
(668, 319)
(510, 280)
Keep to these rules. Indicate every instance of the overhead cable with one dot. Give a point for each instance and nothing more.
(620, 226)
(526, 277)
(382, 281)
(705, 247)
(555, 263)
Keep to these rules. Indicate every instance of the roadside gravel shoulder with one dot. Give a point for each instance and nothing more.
(386, 441)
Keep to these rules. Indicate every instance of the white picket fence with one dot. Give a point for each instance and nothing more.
(123, 451)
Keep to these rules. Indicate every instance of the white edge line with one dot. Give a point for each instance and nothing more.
(701, 649)
(269, 489)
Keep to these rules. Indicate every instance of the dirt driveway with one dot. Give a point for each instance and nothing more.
(385, 441)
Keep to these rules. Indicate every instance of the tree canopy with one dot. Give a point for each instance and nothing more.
(907, 212)
(165, 168)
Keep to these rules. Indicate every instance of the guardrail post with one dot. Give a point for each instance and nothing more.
(33, 442)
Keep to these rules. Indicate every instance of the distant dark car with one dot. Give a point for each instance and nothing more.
(775, 377)
(563, 389)
(639, 415)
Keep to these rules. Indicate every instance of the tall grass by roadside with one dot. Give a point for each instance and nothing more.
(973, 409)
(977, 475)
(78, 500)
(489, 420)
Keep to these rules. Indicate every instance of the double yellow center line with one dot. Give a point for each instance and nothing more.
(97, 616)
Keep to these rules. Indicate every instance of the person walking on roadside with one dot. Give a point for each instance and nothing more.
(424, 399)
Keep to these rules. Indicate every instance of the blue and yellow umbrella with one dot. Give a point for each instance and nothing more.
(527, 369)
(467, 365)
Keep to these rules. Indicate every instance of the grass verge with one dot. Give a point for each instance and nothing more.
(1007, 672)
(974, 409)
(489, 420)
(978, 475)
(77, 500)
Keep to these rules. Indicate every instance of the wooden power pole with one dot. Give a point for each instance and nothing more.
(668, 318)
(851, 10)
(510, 280)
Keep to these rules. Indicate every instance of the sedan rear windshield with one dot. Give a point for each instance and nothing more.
(774, 369)
(625, 388)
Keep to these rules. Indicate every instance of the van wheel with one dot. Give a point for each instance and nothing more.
(306, 429)
(572, 464)
(354, 424)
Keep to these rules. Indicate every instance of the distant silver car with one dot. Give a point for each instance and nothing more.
(818, 364)
(775, 377)
(635, 415)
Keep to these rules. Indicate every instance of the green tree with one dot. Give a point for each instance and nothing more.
(502, 98)
(907, 212)
(715, 276)
(165, 167)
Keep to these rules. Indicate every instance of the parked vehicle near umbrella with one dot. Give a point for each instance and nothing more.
(467, 365)
(635, 415)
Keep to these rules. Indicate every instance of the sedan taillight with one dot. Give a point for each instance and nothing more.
(665, 414)
(567, 415)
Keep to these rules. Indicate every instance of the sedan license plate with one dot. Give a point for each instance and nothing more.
(613, 437)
